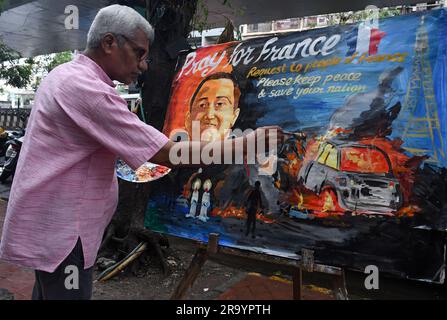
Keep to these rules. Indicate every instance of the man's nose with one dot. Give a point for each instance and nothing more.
(143, 65)
(210, 111)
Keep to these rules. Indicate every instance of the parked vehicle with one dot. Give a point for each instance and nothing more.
(4, 137)
(356, 176)
(12, 153)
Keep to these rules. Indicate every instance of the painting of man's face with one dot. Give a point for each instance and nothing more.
(214, 108)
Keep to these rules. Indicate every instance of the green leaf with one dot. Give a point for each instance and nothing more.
(16, 75)
(59, 59)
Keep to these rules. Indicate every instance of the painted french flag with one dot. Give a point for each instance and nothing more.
(364, 39)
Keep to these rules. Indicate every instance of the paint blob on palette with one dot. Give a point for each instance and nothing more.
(147, 172)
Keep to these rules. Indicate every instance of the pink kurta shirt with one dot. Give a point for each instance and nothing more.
(65, 185)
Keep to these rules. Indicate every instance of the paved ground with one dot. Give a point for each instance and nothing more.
(258, 287)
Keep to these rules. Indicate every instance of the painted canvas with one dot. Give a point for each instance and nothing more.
(361, 179)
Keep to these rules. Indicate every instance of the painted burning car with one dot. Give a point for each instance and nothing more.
(357, 177)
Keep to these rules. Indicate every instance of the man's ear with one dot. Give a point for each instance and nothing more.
(107, 42)
(235, 116)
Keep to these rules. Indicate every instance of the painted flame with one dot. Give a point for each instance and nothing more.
(234, 212)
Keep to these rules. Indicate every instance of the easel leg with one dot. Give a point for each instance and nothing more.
(297, 284)
(191, 274)
(196, 265)
(341, 292)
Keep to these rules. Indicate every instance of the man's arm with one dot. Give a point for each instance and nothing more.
(193, 147)
(239, 145)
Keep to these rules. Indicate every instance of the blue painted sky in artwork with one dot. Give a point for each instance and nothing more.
(313, 112)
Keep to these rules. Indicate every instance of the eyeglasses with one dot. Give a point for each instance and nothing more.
(140, 53)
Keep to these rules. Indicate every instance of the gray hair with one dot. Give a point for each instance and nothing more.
(118, 20)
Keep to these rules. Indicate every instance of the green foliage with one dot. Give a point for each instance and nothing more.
(200, 19)
(15, 74)
(7, 54)
(45, 64)
(18, 76)
(389, 12)
(383, 13)
(58, 59)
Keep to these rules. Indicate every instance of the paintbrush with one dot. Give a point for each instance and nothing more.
(299, 135)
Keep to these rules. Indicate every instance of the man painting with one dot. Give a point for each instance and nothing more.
(65, 190)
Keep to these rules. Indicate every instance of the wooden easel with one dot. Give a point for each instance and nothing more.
(235, 257)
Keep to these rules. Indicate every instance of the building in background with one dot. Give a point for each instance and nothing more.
(248, 31)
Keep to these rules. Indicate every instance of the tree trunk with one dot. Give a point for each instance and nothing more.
(171, 21)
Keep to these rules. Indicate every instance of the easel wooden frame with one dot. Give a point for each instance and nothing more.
(212, 251)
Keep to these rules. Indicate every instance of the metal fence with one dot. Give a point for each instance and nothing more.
(14, 119)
